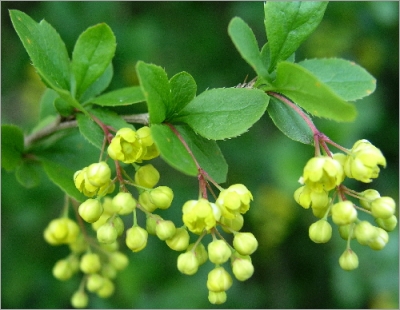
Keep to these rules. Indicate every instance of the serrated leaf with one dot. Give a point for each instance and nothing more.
(45, 48)
(62, 176)
(306, 90)
(345, 78)
(155, 87)
(92, 54)
(92, 131)
(224, 113)
(172, 149)
(288, 24)
(183, 89)
(246, 43)
(12, 146)
(27, 174)
(120, 97)
(99, 85)
(289, 122)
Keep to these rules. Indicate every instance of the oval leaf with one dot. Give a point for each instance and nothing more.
(288, 24)
(120, 97)
(45, 48)
(289, 122)
(345, 78)
(183, 90)
(99, 85)
(92, 54)
(306, 90)
(12, 146)
(172, 149)
(27, 174)
(246, 43)
(224, 113)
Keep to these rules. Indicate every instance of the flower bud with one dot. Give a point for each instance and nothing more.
(345, 230)
(369, 195)
(94, 282)
(187, 263)
(388, 224)
(219, 280)
(79, 299)
(165, 229)
(124, 203)
(200, 251)
(198, 215)
(320, 231)
(107, 233)
(343, 213)
(147, 176)
(90, 263)
(383, 207)
(245, 243)
(365, 232)
(151, 223)
(242, 267)
(62, 270)
(234, 224)
(306, 197)
(162, 197)
(125, 146)
(216, 298)
(136, 238)
(119, 260)
(61, 231)
(144, 135)
(108, 271)
(218, 252)
(380, 241)
(110, 247)
(146, 202)
(348, 260)
(98, 174)
(234, 199)
(90, 210)
(107, 289)
(179, 241)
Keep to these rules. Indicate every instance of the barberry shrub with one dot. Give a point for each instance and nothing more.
(115, 205)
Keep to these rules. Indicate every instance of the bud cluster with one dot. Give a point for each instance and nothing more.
(324, 175)
(202, 217)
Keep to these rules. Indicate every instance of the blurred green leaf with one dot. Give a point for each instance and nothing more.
(289, 122)
(47, 103)
(12, 146)
(288, 24)
(224, 113)
(306, 90)
(63, 107)
(99, 85)
(92, 54)
(27, 174)
(345, 78)
(123, 96)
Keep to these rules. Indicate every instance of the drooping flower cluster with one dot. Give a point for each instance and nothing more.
(324, 175)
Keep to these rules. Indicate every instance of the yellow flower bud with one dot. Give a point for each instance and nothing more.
(107, 233)
(90, 210)
(79, 299)
(348, 260)
(387, 224)
(98, 174)
(383, 207)
(165, 229)
(119, 260)
(198, 215)
(218, 252)
(107, 289)
(234, 199)
(124, 203)
(219, 280)
(217, 298)
(242, 266)
(125, 146)
(343, 213)
(136, 238)
(245, 243)
(62, 270)
(94, 282)
(90, 263)
(147, 176)
(180, 240)
(320, 231)
(187, 263)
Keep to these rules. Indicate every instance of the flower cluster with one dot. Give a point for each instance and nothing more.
(202, 217)
(322, 184)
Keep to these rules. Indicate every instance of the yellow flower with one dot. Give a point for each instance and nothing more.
(125, 146)
(199, 215)
(234, 199)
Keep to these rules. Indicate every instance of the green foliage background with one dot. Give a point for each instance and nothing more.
(291, 271)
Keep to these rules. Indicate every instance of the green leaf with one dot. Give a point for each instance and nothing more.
(63, 107)
(155, 87)
(92, 54)
(246, 43)
(306, 90)
(172, 149)
(92, 131)
(47, 104)
(99, 85)
(345, 78)
(45, 48)
(224, 113)
(27, 174)
(183, 89)
(289, 122)
(288, 24)
(63, 177)
(206, 152)
(12, 146)
(123, 96)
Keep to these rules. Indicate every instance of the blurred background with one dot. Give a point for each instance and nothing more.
(290, 270)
